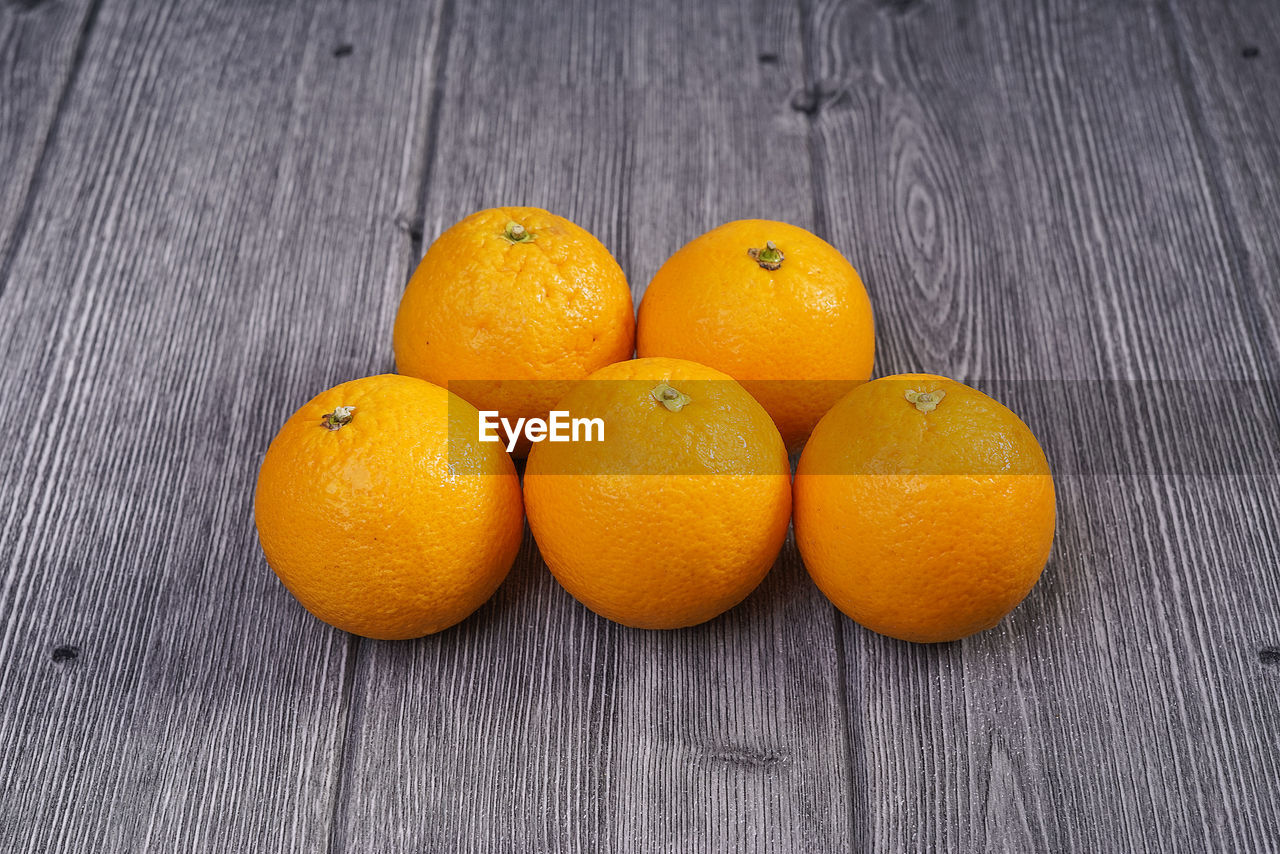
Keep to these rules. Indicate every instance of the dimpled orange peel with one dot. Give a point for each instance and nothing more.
(923, 508)
(773, 306)
(380, 510)
(680, 513)
(508, 296)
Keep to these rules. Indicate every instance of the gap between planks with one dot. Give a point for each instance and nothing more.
(22, 225)
(1210, 157)
(414, 232)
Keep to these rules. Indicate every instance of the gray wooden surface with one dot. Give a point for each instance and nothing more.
(208, 211)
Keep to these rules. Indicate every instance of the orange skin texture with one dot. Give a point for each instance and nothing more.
(677, 516)
(926, 527)
(399, 523)
(798, 338)
(496, 314)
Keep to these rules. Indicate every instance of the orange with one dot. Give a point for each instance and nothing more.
(508, 296)
(924, 509)
(382, 513)
(773, 306)
(679, 513)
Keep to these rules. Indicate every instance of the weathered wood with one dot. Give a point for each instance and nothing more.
(1023, 189)
(535, 725)
(209, 211)
(1226, 58)
(40, 49)
(220, 201)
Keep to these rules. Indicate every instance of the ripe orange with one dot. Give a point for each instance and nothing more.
(773, 306)
(509, 295)
(381, 511)
(923, 508)
(679, 513)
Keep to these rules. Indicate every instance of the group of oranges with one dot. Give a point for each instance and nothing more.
(923, 509)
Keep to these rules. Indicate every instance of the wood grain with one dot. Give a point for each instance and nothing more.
(220, 201)
(1023, 187)
(208, 215)
(536, 725)
(40, 50)
(1227, 59)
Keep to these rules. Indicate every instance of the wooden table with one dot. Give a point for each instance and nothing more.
(207, 214)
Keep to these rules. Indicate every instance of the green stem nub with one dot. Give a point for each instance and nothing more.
(517, 233)
(337, 418)
(673, 400)
(925, 401)
(770, 257)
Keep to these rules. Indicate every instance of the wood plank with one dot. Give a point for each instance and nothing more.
(215, 241)
(40, 46)
(535, 725)
(1022, 188)
(1227, 57)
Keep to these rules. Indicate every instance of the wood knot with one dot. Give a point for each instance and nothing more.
(806, 101)
(815, 97)
(898, 7)
(65, 653)
(410, 225)
(746, 757)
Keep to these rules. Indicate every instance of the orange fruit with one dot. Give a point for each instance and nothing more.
(382, 512)
(508, 296)
(679, 513)
(775, 307)
(923, 508)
